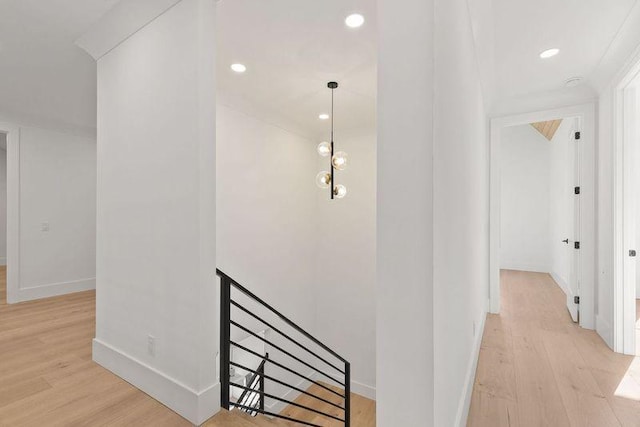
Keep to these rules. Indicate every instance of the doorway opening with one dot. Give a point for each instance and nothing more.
(542, 203)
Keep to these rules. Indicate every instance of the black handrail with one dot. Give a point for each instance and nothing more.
(254, 407)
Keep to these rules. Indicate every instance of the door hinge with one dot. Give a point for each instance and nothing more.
(576, 300)
(576, 245)
(577, 135)
(632, 253)
(576, 190)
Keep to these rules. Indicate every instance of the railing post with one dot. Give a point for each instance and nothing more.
(225, 337)
(347, 394)
(262, 384)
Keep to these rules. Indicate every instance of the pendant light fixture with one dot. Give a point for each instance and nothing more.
(338, 160)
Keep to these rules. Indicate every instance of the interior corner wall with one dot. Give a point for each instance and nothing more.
(55, 186)
(266, 212)
(346, 260)
(525, 225)
(157, 298)
(404, 223)
(461, 213)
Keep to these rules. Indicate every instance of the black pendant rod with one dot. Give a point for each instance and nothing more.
(332, 86)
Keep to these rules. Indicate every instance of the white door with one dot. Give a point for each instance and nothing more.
(573, 226)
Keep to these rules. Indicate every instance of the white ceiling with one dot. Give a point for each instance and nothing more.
(44, 77)
(291, 50)
(583, 30)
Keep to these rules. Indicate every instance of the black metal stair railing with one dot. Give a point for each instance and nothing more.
(253, 397)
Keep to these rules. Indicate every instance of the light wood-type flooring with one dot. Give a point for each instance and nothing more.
(538, 368)
(47, 377)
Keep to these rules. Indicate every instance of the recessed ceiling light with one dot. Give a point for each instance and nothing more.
(354, 21)
(323, 116)
(549, 53)
(238, 68)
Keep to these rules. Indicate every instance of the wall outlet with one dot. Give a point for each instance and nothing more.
(44, 226)
(151, 345)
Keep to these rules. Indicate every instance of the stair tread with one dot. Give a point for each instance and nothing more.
(241, 419)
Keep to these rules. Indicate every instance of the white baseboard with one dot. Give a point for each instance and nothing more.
(54, 289)
(363, 390)
(525, 267)
(465, 400)
(3, 260)
(197, 407)
(556, 278)
(605, 330)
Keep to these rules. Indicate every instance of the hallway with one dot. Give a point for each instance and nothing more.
(537, 368)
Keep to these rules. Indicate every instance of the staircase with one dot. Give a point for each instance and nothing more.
(293, 379)
(242, 419)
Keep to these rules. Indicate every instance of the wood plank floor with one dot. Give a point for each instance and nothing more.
(538, 368)
(47, 377)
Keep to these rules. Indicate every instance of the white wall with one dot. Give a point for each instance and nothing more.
(461, 213)
(404, 289)
(525, 226)
(50, 202)
(267, 221)
(3, 199)
(156, 205)
(58, 189)
(346, 259)
(266, 211)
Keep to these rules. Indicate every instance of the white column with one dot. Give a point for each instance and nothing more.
(156, 285)
(405, 214)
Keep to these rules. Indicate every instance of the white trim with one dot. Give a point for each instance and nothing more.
(604, 329)
(465, 400)
(195, 406)
(13, 211)
(3, 260)
(54, 289)
(623, 339)
(121, 22)
(363, 390)
(561, 283)
(525, 267)
(586, 112)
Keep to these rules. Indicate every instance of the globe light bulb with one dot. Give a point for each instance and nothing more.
(324, 149)
(340, 191)
(340, 160)
(323, 179)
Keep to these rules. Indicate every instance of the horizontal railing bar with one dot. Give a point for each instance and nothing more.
(289, 386)
(286, 336)
(306, 408)
(251, 385)
(280, 315)
(281, 366)
(272, 414)
(237, 325)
